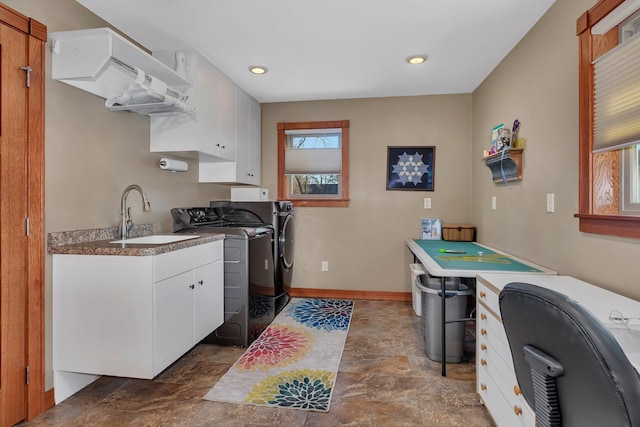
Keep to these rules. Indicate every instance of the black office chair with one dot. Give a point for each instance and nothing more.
(570, 368)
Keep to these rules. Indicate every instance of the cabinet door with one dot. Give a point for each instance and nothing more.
(208, 115)
(243, 145)
(227, 115)
(209, 299)
(173, 316)
(255, 134)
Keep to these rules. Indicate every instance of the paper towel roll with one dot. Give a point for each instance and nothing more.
(173, 165)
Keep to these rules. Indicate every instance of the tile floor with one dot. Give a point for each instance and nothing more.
(385, 379)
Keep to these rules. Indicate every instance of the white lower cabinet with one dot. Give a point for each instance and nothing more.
(133, 316)
(496, 379)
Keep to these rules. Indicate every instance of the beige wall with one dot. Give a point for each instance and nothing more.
(538, 84)
(91, 155)
(364, 243)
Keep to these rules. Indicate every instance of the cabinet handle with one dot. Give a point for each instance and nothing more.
(483, 331)
(517, 410)
(483, 387)
(483, 362)
(483, 347)
(483, 295)
(201, 282)
(516, 390)
(483, 316)
(192, 286)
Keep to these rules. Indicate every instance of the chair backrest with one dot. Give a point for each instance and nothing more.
(599, 386)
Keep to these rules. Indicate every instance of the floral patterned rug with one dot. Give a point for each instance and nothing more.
(294, 362)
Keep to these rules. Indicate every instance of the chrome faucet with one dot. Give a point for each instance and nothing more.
(126, 223)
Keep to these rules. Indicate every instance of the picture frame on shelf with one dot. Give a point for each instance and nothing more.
(411, 168)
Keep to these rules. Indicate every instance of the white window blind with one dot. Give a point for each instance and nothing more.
(313, 161)
(617, 97)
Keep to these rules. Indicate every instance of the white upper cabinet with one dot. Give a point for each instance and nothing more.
(205, 131)
(246, 167)
(225, 129)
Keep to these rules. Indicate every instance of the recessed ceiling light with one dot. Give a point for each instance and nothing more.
(416, 59)
(258, 69)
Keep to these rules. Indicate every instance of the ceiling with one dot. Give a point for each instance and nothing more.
(334, 49)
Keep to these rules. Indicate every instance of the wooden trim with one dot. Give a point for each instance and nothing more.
(330, 203)
(37, 30)
(343, 201)
(347, 294)
(314, 125)
(600, 10)
(345, 162)
(14, 18)
(582, 24)
(612, 225)
(36, 241)
(282, 182)
(585, 102)
(49, 399)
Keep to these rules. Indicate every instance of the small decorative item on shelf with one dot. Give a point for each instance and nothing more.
(494, 138)
(504, 139)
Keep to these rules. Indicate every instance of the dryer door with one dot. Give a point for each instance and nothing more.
(286, 242)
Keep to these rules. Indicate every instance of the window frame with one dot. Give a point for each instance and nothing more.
(599, 173)
(283, 188)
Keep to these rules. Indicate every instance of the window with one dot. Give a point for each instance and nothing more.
(631, 180)
(609, 176)
(313, 163)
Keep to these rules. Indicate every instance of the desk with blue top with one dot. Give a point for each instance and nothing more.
(465, 259)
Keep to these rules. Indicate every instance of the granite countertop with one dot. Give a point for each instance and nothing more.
(98, 242)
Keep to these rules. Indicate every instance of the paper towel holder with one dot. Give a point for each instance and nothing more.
(173, 165)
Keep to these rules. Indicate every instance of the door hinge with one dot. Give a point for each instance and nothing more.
(27, 376)
(27, 226)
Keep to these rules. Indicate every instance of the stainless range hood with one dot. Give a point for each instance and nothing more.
(102, 62)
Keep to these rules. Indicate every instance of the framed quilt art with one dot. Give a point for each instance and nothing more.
(410, 168)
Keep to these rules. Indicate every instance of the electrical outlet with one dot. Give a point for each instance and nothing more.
(325, 265)
(493, 203)
(427, 203)
(551, 202)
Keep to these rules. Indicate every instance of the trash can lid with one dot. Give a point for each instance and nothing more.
(461, 291)
(450, 284)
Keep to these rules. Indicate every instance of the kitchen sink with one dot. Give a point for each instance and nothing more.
(156, 239)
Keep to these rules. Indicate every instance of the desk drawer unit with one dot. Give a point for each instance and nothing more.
(496, 382)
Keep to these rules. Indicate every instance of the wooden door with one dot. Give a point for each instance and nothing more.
(13, 214)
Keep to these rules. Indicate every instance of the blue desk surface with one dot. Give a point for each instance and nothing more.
(476, 257)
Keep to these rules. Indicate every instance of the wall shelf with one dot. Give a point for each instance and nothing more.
(505, 166)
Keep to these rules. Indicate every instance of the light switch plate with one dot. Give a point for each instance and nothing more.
(493, 203)
(551, 202)
(427, 203)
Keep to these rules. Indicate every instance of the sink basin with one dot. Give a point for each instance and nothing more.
(156, 239)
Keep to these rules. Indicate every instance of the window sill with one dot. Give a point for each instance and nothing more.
(320, 203)
(612, 225)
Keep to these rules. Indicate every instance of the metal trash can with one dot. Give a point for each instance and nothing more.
(416, 271)
(456, 304)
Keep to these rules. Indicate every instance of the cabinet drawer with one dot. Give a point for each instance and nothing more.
(499, 408)
(172, 263)
(504, 378)
(487, 296)
(490, 329)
